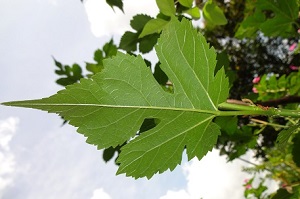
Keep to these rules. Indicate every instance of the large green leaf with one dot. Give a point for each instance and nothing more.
(110, 108)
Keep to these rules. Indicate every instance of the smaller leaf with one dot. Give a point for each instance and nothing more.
(108, 153)
(282, 194)
(110, 49)
(166, 7)
(138, 22)
(148, 42)
(65, 81)
(153, 26)
(94, 68)
(148, 124)
(213, 14)
(193, 12)
(129, 41)
(186, 3)
(249, 26)
(159, 75)
(98, 56)
(296, 149)
(227, 124)
(117, 3)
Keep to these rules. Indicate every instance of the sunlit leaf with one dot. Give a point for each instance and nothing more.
(213, 14)
(153, 26)
(166, 7)
(186, 3)
(193, 12)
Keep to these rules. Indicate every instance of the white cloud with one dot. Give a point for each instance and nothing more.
(212, 178)
(181, 194)
(7, 161)
(106, 22)
(100, 194)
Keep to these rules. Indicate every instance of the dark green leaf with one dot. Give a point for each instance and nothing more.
(296, 149)
(110, 49)
(117, 3)
(282, 194)
(285, 14)
(138, 22)
(147, 43)
(98, 56)
(250, 25)
(129, 41)
(159, 75)
(227, 124)
(284, 136)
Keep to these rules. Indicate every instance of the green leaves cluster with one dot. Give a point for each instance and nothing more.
(273, 18)
(72, 74)
(271, 87)
(131, 41)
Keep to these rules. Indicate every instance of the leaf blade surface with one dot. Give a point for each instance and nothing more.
(110, 107)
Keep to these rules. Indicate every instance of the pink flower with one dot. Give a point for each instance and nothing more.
(292, 47)
(256, 80)
(246, 181)
(292, 67)
(298, 31)
(248, 186)
(254, 90)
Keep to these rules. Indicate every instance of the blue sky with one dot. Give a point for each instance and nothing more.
(40, 158)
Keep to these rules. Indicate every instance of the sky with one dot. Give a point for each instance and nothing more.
(40, 157)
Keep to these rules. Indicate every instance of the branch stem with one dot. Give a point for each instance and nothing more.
(231, 109)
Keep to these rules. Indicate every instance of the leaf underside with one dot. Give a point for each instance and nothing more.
(110, 107)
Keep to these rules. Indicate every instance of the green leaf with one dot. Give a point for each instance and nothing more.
(109, 153)
(282, 194)
(70, 74)
(153, 26)
(147, 43)
(138, 22)
(159, 75)
(284, 136)
(94, 68)
(110, 108)
(281, 22)
(129, 41)
(110, 49)
(166, 7)
(296, 149)
(194, 12)
(250, 25)
(98, 56)
(227, 124)
(186, 3)
(213, 14)
(117, 3)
